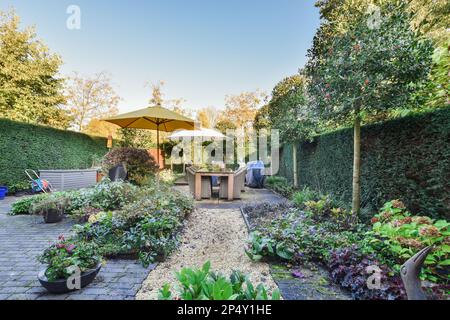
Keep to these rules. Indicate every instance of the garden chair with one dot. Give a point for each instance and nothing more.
(239, 185)
(206, 184)
(118, 173)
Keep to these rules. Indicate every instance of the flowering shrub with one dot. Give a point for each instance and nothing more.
(203, 284)
(66, 254)
(404, 235)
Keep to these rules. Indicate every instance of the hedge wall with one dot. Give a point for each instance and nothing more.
(24, 146)
(407, 158)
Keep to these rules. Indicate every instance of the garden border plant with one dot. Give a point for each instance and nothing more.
(317, 231)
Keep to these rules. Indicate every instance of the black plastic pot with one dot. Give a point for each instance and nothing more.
(52, 216)
(60, 286)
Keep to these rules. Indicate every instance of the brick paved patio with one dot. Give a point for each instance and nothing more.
(23, 238)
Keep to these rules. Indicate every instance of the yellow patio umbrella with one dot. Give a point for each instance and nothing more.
(153, 118)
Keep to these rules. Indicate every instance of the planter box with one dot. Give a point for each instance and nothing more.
(62, 180)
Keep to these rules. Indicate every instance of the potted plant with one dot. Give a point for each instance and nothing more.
(51, 208)
(70, 265)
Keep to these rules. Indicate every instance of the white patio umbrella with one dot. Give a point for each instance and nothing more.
(205, 133)
(209, 134)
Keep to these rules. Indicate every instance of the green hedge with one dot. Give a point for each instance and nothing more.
(407, 159)
(25, 146)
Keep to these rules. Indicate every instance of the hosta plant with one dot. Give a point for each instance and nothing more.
(203, 284)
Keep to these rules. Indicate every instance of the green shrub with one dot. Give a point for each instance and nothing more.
(407, 158)
(401, 236)
(203, 284)
(56, 202)
(140, 165)
(167, 176)
(106, 195)
(146, 227)
(299, 238)
(27, 146)
(25, 205)
(280, 185)
(300, 197)
(395, 236)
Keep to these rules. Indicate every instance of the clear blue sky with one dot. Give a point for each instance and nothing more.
(202, 49)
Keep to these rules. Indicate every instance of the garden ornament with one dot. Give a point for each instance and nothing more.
(410, 271)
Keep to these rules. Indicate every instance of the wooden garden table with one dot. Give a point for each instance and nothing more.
(206, 173)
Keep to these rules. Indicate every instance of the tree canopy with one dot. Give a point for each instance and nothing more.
(90, 98)
(369, 69)
(30, 88)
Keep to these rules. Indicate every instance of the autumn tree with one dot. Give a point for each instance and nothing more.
(241, 109)
(97, 127)
(30, 89)
(90, 97)
(208, 117)
(224, 124)
(157, 99)
(368, 69)
(203, 119)
(262, 120)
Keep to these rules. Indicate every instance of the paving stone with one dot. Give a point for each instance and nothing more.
(22, 240)
(23, 297)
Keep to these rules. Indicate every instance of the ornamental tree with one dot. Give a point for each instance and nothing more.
(372, 67)
(288, 112)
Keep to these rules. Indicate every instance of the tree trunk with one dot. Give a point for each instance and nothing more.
(294, 163)
(356, 198)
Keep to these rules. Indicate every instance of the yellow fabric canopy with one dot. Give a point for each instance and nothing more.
(153, 118)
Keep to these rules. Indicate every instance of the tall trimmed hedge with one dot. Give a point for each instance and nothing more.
(25, 146)
(407, 159)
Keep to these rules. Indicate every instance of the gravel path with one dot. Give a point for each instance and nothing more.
(215, 235)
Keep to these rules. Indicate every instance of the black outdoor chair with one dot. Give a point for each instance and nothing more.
(118, 173)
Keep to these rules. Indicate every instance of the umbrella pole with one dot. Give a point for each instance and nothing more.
(157, 145)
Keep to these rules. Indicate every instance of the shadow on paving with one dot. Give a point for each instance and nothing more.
(23, 238)
(250, 196)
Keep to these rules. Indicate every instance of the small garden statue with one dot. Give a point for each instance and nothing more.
(410, 271)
